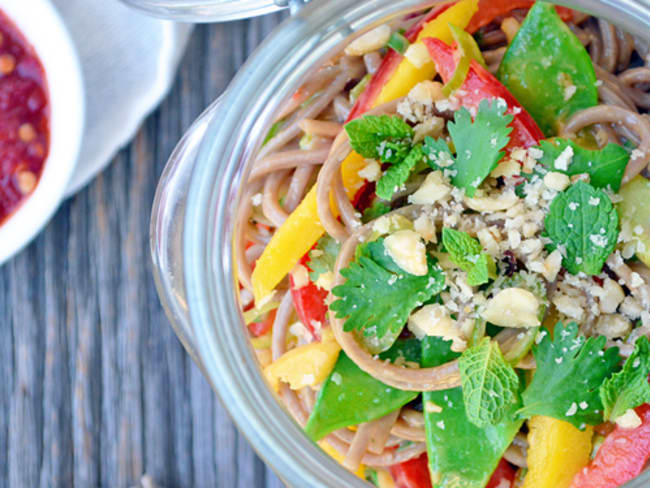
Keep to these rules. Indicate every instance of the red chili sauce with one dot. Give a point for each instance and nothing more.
(24, 118)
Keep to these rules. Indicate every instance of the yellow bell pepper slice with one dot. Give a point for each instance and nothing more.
(333, 453)
(635, 215)
(407, 75)
(557, 452)
(303, 228)
(305, 365)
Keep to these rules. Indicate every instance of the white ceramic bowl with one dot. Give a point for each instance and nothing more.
(42, 27)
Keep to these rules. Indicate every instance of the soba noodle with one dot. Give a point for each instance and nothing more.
(284, 172)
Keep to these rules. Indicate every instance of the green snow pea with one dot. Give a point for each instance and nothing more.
(548, 70)
(351, 396)
(460, 453)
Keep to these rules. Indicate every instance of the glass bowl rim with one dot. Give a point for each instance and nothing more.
(274, 69)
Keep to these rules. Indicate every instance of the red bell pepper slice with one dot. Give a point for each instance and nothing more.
(413, 473)
(481, 84)
(388, 65)
(621, 457)
(309, 302)
(504, 472)
(488, 10)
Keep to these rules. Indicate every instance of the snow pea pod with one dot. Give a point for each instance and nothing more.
(351, 396)
(548, 70)
(460, 453)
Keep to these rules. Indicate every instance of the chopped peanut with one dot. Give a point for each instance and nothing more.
(406, 248)
(513, 307)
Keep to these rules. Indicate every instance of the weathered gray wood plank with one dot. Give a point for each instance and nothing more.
(95, 389)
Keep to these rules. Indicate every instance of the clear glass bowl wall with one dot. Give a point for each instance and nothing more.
(193, 217)
(207, 10)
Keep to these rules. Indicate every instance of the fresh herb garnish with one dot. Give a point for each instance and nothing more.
(397, 174)
(375, 211)
(628, 388)
(584, 222)
(383, 137)
(467, 253)
(379, 296)
(478, 144)
(462, 453)
(570, 370)
(323, 257)
(489, 383)
(605, 167)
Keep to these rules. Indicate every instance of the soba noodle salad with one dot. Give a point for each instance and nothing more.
(444, 250)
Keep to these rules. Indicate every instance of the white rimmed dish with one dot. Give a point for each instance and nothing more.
(44, 30)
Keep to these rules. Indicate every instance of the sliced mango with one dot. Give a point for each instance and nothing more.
(305, 365)
(303, 228)
(557, 451)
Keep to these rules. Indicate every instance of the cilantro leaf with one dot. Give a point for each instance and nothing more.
(478, 144)
(383, 137)
(490, 384)
(467, 253)
(397, 174)
(323, 257)
(583, 220)
(375, 211)
(438, 154)
(628, 388)
(605, 167)
(569, 373)
(379, 296)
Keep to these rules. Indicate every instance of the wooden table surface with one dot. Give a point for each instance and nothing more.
(95, 389)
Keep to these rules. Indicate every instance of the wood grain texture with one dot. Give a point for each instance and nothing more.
(95, 389)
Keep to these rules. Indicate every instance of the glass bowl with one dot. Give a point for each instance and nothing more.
(193, 217)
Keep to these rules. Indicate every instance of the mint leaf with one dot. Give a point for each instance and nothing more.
(453, 442)
(628, 388)
(397, 174)
(583, 220)
(489, 383)
(478, 144)
(383, 137)
(482, 271)
(323, 257)
(467, 253)
(379, 296)
(375, 211)
(569, 373)
(605, 167)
